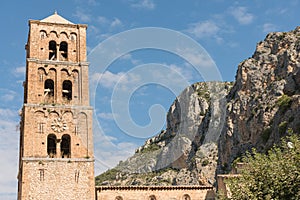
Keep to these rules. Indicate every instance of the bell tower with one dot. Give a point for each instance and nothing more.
(56, 159)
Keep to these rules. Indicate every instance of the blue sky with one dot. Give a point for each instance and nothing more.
(227, 30)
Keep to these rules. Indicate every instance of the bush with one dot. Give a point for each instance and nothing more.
(106, 176)
(274, 175)
(151, 148)
(282, 127)
(284, 102)
(266, 134)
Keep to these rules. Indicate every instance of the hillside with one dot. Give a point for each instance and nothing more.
(211, 124)
(186, 152)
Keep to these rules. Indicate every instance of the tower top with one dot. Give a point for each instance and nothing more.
(56, 18)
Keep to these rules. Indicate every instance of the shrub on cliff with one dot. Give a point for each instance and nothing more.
(275, 175)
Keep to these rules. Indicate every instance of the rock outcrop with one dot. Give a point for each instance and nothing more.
(264, 103)
(211, 124)
(186, 152)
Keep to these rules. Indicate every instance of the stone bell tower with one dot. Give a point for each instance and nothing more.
(56, 141)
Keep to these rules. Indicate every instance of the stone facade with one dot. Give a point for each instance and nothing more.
(56, 141)
(155, 193)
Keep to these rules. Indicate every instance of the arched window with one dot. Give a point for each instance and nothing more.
(186, 197)
(118, 198)
(65, 146)
(49, 87)
(63, 49)
(152, 197)
(73, 37)
(52, 50)
(51, 145)
(67, 90)
(43, 34)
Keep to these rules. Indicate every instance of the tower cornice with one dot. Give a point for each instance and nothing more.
(56, 62)
(73, 107)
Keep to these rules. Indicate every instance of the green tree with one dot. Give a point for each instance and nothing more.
(275, 175)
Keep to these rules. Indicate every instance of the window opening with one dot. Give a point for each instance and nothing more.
(63, 49)
(41, 127)
(52, 50)
(77, 176)
(43, 34)
(67, 90)
(73, 37)
(65, 146)
(51, 145)
(186, 197)
(152, 197)
(42, 174)
(49, 87)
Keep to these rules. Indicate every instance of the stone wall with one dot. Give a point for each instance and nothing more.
(155, 193)
(58, 179)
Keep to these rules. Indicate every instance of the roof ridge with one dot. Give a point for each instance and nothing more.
(56, 18)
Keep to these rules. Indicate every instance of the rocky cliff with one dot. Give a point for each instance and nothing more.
(210, 124)
(186, 152)
(264, 103)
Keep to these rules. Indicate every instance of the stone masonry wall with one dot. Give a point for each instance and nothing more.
(58, 179)
(154, 193)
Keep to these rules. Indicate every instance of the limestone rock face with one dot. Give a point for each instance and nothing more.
(186, 152)
(263, 104)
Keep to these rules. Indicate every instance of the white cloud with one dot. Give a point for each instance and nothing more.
(107, 79)
(9, 143)
(204, 29)
(143, 4)
(92, 2)
(268, 27)
(130, 58)
(108, 116)
(116, 23)
(20, 71)
(102, 20)
(7, 113)
(109, 23)
(196, 59)
(106, 158)
(108, 151)
(7, 95)
(241, 15)
(184, 71)
(128, 80)
(82, 16)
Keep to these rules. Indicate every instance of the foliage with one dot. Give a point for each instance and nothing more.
(284, 102)
(203, 92)
(106, 176)
(266, 134)
(275, 175)
(282, 127)
(152, 147)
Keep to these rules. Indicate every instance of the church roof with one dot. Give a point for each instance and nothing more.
(56, 18)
